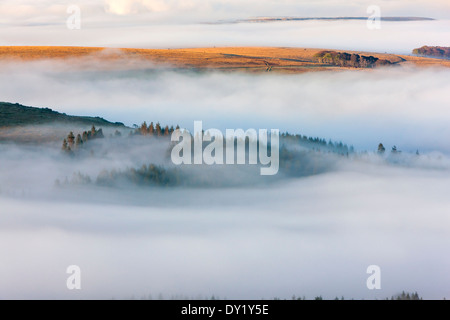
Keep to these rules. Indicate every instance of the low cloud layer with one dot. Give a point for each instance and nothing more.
(397, 106)
(313, 236)
(301, 236)
(175, 24)
(195, 10)
(393, 37)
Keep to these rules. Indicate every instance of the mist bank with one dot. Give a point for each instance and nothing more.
(402, 106)
(394, 37)
(138, 169)
(312, 236)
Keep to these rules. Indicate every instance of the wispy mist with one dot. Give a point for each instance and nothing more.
(309, 236)
(397, 106)
(306, 237)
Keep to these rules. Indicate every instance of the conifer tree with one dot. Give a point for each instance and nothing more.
(144, 128)
(65, 146)
(151, 129)
(99, 134)
(78, 141)
(158, 129)
(71, 139)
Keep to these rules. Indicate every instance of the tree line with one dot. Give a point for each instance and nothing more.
(71, 142)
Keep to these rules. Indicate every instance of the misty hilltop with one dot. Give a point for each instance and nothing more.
(279, 19)
(19, 115)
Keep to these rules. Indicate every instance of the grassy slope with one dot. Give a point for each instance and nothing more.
(19, 115)
(21, 124)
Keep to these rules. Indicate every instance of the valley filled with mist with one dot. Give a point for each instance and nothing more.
(140, 226)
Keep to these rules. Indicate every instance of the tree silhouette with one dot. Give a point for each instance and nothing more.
(158, 129)
(99, 133)
(151, 129)
(65, 146)
(71, 139)
(144, 129)
(78, 142)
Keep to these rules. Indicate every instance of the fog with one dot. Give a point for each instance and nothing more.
(309, 236)
(393, 37)
(34, 12)
(304, 236)
(401, 106)
(181, 24)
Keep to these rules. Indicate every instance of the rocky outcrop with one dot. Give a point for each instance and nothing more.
(352, 60)
(436, 52)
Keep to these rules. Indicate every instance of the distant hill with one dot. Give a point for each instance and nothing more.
(436, 52)
(344, 59)
(392, 19)
(223, 59)
(19, 115)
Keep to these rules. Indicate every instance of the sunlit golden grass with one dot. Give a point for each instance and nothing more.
(287, 60)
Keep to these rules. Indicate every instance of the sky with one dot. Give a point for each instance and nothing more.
(186, 23)
(148, 11)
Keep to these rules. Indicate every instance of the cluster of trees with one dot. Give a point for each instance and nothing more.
(302, 163)
(72, 142)
(407, 296)
(438, 52)
(154, 130)
(402, 296)
(318, 144)
(381, 150)
(344, 59)
(293, 163)
(151, 175)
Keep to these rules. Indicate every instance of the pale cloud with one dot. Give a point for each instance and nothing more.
(24, 11)
(124, 7)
